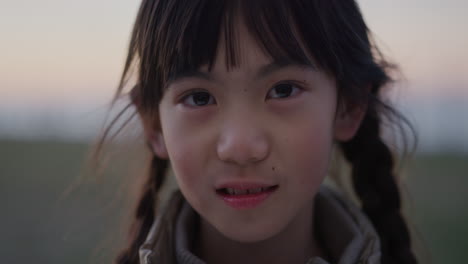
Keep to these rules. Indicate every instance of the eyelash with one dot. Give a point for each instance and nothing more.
(191, 93)
(292, 83)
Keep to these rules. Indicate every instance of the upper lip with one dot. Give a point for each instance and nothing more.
(243, 185)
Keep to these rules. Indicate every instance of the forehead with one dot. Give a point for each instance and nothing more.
(185, 36)
(236, 38)
(242, 52)
(243, 55)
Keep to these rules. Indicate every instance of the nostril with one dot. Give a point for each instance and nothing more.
(242, 149)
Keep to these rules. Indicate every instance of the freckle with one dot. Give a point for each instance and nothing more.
(272, 168)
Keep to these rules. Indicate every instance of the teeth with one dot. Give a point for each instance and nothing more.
(256, 190)
(232, 191)
(240, 192)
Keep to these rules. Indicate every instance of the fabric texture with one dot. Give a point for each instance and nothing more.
(346, 233)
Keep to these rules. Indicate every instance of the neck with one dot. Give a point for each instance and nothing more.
(297, 243)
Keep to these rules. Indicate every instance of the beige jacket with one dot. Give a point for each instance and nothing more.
(347, 234)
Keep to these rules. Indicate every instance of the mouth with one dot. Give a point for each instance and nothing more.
(244, 197)
(244, 191)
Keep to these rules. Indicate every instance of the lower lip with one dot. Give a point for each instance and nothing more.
(246, 201)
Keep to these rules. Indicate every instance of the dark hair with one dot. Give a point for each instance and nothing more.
(174, 36)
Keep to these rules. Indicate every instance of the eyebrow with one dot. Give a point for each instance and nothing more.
(264, 71)
(278, 65)
(189, 74)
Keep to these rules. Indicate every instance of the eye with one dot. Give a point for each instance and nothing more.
(283, 90)
(199, 98)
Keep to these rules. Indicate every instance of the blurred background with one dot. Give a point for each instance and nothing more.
(60, 63)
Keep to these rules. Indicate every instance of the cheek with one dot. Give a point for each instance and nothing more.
(187, 164)
(307, 148)
(188, 148)
(314, 160)
(185, 158)
(180, 138)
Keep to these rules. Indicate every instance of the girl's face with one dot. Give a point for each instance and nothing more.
(262, 122)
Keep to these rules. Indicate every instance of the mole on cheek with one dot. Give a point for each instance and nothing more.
(273, 168)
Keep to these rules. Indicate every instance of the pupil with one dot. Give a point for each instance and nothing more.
(201, 98)
(283, 90)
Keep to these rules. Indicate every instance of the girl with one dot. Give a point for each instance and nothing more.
(246, 100)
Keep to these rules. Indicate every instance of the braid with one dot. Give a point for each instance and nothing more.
(145, 211)
(375, 185)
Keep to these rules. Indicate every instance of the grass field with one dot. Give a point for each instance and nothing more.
(40, 223)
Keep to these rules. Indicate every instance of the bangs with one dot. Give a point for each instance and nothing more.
(179, 36)
(196, 28)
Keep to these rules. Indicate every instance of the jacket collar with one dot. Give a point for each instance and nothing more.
(347, 234)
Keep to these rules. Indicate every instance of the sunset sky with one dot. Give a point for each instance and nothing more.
(68, 55)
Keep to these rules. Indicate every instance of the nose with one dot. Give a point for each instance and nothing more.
(243, 142)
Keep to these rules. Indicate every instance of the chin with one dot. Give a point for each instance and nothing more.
(250, 233)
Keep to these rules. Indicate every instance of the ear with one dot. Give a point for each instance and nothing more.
(153, 132)
(347, 121)
(157, 143)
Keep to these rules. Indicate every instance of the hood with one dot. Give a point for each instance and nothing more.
(345, 231)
